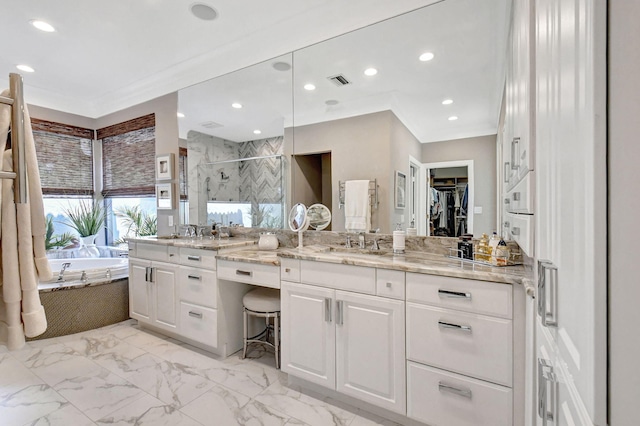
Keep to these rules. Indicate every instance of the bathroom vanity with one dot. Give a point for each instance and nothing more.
(419, 336)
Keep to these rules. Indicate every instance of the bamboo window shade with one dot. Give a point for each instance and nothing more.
(128, 158)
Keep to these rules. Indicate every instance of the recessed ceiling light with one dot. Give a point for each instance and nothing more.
(25, 68)
(453, 118)
(426, 56)
(309, 86)
(370, 71)
(447, 102)
(236, 105)
(180, 115)
(331, 102)
(257, 132)
(42, 26)
(204, 12)
(281, 66)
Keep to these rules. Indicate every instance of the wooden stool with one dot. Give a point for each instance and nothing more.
(263, 303)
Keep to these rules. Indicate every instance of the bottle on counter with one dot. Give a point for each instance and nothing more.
(483, 251)
(493, 244)
(502, 253)
(465, 247)
(398, 240)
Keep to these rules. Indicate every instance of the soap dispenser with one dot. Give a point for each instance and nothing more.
(398, 240)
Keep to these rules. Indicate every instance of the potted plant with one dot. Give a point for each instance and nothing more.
(87, 219)
(138, 223)
(54, 241)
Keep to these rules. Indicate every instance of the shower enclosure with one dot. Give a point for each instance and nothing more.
(248, 192)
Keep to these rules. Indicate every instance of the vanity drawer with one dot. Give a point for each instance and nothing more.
(199, 323)
(152, 252)
(250, 273)
(520, 229)
(198, 258)
(390, 283)
(341, 277)
(470, 344)
(438, 397)
(198, 286)
(480, 297)
(290, 270)
(520, 198)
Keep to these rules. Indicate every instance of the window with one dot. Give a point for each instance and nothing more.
(128, 164)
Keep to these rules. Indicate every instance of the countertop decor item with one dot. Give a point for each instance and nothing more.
(268, 241)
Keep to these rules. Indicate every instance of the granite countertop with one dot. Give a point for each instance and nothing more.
(420, 262)
(205, 243)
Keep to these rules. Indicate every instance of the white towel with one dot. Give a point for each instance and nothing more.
(22, 258)
(357, 206)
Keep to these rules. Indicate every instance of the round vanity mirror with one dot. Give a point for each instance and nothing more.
(298, 218)
(319, 216)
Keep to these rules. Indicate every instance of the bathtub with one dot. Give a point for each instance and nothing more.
(74, 304)
(96, 270)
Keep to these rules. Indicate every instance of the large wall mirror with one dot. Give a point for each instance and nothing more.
(338, 123)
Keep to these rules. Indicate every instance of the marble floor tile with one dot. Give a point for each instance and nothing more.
(303, 407)
(12, 370)
(258, 414)
(67, 415)
(99, 394)
(148, 411)
(20, 405)
(56, 362)
(144, 338)
(247, 378)
(172, 383)
(218, 406)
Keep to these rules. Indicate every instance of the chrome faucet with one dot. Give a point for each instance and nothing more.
(64, 268)
(361, 242)
(375, 245)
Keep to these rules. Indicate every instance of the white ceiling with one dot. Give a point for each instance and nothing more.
(468, 38)
(109, 55)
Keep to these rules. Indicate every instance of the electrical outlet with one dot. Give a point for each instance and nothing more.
(170, 220)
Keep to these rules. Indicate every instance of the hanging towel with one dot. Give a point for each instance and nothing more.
(357, 206)
(22, 253)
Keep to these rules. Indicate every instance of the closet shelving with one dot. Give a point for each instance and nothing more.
(450, 185)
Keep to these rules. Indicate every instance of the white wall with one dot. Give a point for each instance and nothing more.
(165, 109)
(482, 150)
(624, 208)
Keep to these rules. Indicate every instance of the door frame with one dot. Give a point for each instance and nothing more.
(421, 196)
(470, 176)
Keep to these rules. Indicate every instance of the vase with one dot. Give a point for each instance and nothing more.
(88, 247)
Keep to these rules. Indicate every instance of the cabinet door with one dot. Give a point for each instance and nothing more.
(139, 290)
(370, 349)
(164, 286)
(571, 192)
(308, 333)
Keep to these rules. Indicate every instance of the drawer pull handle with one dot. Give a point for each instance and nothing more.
(327, 309)
(443, 387)
(171, 255)
(245, 273)
(339, 313)
(454, 294)
(465, 328)
(194, 258)
(516, 196)
(195, 314)
(194, 277)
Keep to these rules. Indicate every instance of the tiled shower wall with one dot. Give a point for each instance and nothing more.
(256, 182)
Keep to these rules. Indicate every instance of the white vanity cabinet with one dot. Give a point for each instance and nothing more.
(152, 287)
(343, 340)
(198, 295)
(460, 356)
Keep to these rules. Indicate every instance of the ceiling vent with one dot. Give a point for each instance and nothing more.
(210, 125)
(339, 80)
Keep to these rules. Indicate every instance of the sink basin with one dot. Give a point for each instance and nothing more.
(357, 251)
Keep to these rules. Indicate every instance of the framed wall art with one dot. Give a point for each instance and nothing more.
(164, 167)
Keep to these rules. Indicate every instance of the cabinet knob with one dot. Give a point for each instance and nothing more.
(287, 270)
(389, 285)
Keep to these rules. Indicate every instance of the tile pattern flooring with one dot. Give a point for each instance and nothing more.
(122, 375)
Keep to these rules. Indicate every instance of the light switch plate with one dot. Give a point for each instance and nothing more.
(477, 210)
(170, 220)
